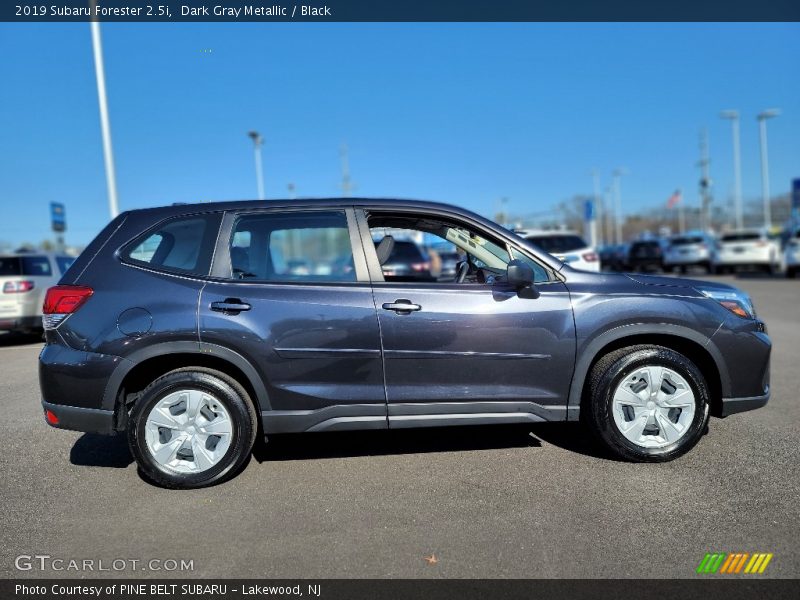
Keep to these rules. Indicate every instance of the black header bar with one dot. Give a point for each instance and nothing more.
(399, 10)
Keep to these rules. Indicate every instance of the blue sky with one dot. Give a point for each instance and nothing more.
(463, 113)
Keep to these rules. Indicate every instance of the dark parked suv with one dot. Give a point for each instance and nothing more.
(195, 329)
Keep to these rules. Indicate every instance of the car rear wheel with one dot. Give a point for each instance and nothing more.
(647, 403)
(192, 428)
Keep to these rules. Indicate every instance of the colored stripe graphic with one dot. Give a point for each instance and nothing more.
(734, 562)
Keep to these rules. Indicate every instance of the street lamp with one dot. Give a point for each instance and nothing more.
(762, 126)
(105, 125)
(733, 117)
(258, 141)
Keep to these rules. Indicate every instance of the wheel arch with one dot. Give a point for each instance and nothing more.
(142, 367)
(695, 346)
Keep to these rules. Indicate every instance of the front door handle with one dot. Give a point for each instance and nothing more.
(402, 306)
(230, 306)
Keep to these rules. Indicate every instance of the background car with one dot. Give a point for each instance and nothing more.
(791, 256)
(646, 255)
(407, 262)
(566, 246)
(24, 279)
(747, 248)
(686, 251)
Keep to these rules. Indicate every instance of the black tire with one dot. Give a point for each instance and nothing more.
(683, 269)
(228, 392)
(604, 379)
(791, 272)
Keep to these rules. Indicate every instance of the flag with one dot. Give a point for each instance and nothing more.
(673, 200)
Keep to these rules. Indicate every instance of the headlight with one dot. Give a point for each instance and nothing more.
(735, 301)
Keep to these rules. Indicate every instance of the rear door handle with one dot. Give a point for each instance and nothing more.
(402, 306)
(232, 306)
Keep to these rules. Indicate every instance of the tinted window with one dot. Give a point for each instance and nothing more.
(36, 265)
(184, 244)
(741, 237)
(288, 247)
(10, 265)
(557, 244)
(64, 263)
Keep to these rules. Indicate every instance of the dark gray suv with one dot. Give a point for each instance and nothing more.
(197, 328)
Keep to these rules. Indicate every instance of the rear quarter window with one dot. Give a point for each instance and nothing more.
(180, 245)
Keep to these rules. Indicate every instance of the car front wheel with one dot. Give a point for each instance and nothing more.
(647, 403)
(192, 428)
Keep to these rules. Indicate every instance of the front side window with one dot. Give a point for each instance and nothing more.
(183, 245)
(426, 249)
(292, 247)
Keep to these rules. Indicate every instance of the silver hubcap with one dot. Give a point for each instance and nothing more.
(188, 431)
(653, 407)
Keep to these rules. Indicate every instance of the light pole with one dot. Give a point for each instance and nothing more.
(593, 234)
(105, 125)
(762, 126)
(733, 117)
(617, 176)
(258, 141)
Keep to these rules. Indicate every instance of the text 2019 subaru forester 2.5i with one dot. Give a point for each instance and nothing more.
(196, 328)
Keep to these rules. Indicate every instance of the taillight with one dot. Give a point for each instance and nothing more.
(61, 301)
(590, 256)
(421, 266)
(17, 287)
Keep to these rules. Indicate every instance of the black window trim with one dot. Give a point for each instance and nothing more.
(123, 252)
(221, 264)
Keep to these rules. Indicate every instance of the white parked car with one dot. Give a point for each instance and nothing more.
(747, 248)
(24, 279)
(689, 250)
(791, 256)
(566, 246)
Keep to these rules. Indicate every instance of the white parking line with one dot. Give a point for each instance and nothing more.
(37, 345)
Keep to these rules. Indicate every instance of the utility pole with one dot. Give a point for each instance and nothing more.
(258, 141)
(105, 125)
(617, 186)
(733, 117)
(762, 129)
(593, 232)
(347, 185)
(705, 182)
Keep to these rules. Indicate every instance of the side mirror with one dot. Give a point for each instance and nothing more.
(519, 275)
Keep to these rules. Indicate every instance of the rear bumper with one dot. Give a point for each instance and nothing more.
(91, 420)
(20, 323)
(731, 406)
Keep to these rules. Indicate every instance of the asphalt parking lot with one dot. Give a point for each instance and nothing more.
(534, 501)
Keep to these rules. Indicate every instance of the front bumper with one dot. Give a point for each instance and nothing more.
(731, 406)
(91, 420)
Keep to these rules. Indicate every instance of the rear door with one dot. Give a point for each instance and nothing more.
(290, 293)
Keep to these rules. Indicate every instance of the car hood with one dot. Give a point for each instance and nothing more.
(679, 282)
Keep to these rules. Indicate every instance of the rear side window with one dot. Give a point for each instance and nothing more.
(180, 245)
(292, 247)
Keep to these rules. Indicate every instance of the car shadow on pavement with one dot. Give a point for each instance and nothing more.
(94, 450)
(300, 446)
(19, 339)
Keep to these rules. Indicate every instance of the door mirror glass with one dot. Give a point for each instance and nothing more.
(519, 275)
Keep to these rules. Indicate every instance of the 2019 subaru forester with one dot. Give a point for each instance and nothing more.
(196, 328)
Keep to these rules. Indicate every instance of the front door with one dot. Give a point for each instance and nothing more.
(464, 347)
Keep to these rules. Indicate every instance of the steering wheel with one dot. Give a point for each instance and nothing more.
(461, 271)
